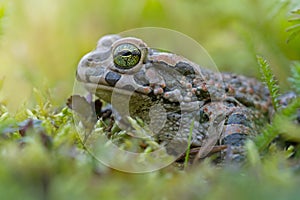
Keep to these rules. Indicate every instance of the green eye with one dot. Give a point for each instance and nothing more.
(126, 56)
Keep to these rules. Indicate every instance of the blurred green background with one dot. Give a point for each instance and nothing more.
(43, 40)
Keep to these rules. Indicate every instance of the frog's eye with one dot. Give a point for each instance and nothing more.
(126, 56)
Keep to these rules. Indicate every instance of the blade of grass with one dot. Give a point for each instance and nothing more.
(295, 28)
(186, 160)
(269, 79)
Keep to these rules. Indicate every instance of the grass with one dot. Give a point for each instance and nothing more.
(295, 28)
(186, 159)
(269, 79)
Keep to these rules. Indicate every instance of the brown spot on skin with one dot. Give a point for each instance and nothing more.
(257, 105)
(265, 107)
(231, 90)
(242, 90)
(235, 128)
(188, 85)
(250, 90)
(158, 91)
(147, 90)
(194, 90)
(204, 87)
(166, 95)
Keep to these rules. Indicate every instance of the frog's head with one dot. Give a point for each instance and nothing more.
(128, 64)
(114, 65)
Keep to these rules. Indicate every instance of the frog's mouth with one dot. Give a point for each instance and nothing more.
(106, 92)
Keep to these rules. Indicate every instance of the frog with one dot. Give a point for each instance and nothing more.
(186, 105)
